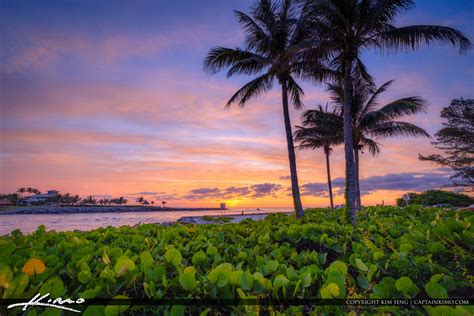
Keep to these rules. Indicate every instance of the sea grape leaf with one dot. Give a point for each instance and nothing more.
(322, 258)
(330, 291)
(91, 293)
(434, 289)
(33, 266)
(124, 265)
(448, 283)
(173, 256)
(17, 287)
(305, 279)
(187, 280)
(6, 276)
(246, 281)
(235, 277)
(271, 266)
(406, 248)
(108, 274)
(280, 281)
(212, 251)
(105, 259)
(177, 310)
(378, 255)
(385, 289)
(199, 258)
(363, 282)
(54, 286)
(361, 265)
(338, 266)
(291, 274)
(220, 275)
(407, 287)
(84, 276)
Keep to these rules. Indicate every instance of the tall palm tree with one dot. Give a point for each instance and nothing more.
(345, 28)
(321, 129)
(274, 50)
(370, 120)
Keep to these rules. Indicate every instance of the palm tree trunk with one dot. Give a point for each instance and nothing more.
(328, 168)
(356, 171)
(348, 143)
(291, 153)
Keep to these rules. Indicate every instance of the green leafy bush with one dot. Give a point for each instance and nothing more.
(435, 197)
(415, 252)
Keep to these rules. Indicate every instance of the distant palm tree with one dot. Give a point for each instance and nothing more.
(345, 28)
(76, 198)
(140, 200)
(89, 200)
(321, 129)
(65, 198)
(20, 192)
(164, 203)
(274, 50)
(370, 120)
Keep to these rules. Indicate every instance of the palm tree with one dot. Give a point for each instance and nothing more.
(140, 200)
(345, 28)
(65, 198)
(76, 198)
(90, 200)
(164, 203)
(321, 129)
(20, 192)
(274, 50)
(369, 120)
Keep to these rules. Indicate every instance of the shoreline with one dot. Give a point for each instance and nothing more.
(32, 210)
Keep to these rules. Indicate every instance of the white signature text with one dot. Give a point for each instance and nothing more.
(37, 300)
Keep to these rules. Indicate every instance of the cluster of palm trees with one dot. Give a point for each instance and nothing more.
(21, 191)
(117, 201)
(323, 128)
(142, 201)
(321, 41)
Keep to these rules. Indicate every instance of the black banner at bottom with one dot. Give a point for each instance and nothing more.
(261, 302)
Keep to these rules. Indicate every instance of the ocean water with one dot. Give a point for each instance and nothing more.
(28, 223)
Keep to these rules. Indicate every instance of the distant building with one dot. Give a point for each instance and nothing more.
(223, 206)
(41, 198)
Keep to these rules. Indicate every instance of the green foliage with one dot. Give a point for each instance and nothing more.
(435, 197)
(413, 252)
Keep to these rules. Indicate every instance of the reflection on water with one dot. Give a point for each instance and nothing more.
(65, 222)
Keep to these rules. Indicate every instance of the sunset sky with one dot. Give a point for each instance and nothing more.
(110, 98)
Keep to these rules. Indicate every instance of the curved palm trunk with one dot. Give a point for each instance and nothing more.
(356, 171)
(328, 169)
(291, 153)
(348, 143)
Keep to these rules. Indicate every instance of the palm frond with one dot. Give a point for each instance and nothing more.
(372, 102)
(384, 11)
(251, 89)
(411, 37)
(394, 128)
(404, 106)
(256, 38)
(296, 92)
(370, 144)
(219, 58)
